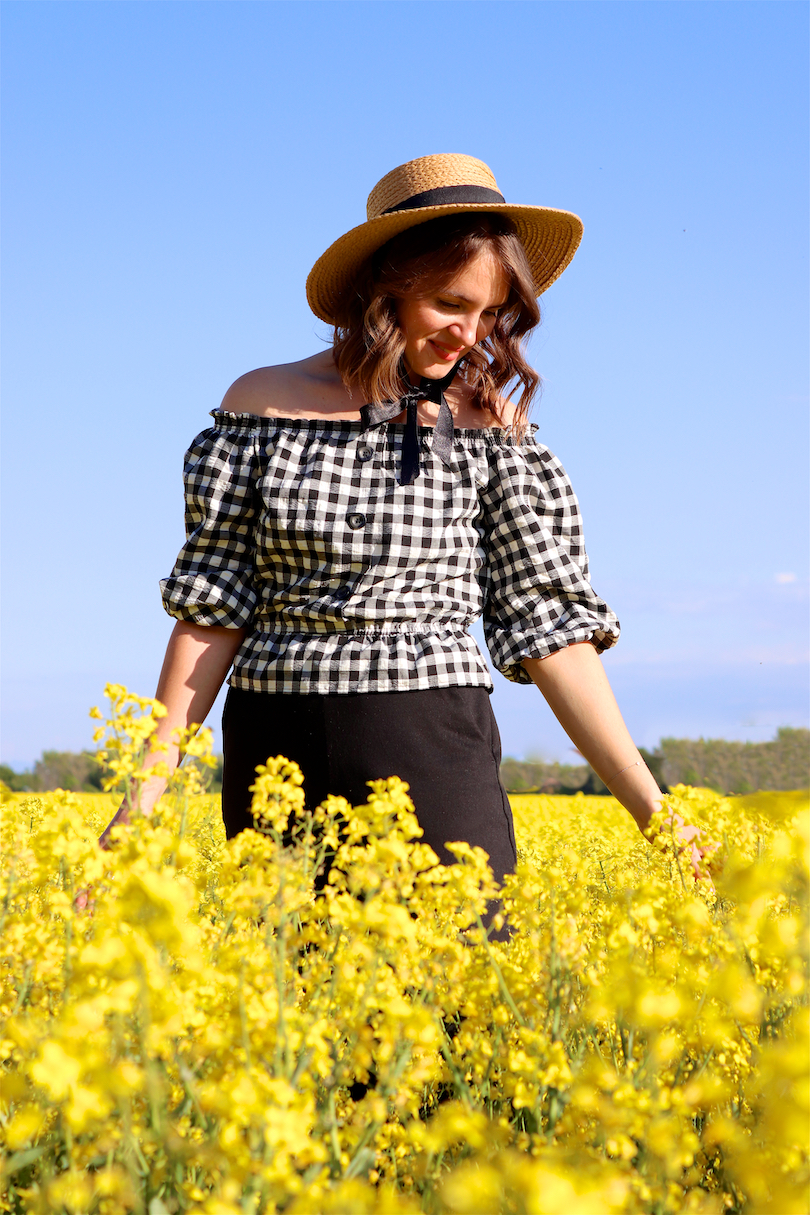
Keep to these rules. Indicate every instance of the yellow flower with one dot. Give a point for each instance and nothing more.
(226, 1024)
(24, 1125)
(55, 1070)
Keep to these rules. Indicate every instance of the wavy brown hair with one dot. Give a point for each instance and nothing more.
(369, 344)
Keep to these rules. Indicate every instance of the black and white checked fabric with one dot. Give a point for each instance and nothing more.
(299, 531)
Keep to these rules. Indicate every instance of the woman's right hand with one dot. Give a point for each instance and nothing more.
(84, 899)
(149, 794)
(197, 660)
(121, 816)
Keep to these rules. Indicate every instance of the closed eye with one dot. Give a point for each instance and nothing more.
(450, 304)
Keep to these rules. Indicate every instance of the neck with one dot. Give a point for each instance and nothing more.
(417, 381)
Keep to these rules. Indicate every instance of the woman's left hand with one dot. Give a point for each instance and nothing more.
(576, 688)
(688, 842)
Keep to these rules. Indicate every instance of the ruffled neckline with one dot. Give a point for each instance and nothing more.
(249, 421)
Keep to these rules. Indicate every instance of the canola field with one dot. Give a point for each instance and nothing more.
(193, 1026)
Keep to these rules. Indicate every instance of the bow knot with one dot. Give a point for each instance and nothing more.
(426, 390)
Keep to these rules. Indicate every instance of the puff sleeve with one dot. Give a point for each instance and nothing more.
(213, 581)
(539, 595)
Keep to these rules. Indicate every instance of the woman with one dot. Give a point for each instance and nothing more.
(350, 515)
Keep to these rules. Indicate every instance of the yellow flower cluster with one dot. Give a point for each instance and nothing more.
(312, 1019)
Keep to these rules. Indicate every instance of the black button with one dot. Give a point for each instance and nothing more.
(365, 452)
(356, 521)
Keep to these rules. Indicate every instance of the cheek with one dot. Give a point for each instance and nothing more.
(415, 320)
(405, 317)
(402, 315)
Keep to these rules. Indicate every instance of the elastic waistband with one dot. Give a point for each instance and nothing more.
(403, 630)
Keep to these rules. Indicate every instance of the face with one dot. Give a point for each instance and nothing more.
(441, 327)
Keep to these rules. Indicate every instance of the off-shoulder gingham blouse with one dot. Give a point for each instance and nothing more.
(347, 581)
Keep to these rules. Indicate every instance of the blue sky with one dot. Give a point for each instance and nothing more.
(171, 172)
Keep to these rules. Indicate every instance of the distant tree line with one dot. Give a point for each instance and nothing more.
(713, 763)
(734, 767)
(533, 776)
(79, 772)
(728, 767)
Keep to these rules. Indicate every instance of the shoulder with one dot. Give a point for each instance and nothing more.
(461, 399)
(250, 393)
(285, 390)
(266, 390)
(506, 412)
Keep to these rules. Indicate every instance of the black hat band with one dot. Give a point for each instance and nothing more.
(448, 196)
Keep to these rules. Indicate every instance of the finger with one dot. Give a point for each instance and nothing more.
(697, 867)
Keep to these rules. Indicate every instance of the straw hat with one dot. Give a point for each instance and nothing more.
(423, 189)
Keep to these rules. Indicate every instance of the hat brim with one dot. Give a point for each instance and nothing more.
(550, 238)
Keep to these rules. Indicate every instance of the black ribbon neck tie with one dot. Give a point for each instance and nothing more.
(427, 390)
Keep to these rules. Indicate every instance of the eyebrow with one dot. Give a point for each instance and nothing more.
(465, 300)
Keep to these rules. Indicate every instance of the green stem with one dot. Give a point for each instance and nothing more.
(507, 995)
(243, 1016)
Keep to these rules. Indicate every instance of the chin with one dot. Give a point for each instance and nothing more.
(432, 369)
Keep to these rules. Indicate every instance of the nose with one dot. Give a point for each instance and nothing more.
(467, 328)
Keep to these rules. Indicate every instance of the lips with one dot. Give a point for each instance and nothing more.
(445, 352)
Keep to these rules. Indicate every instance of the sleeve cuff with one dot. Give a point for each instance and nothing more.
(509, 649)
(202, 601)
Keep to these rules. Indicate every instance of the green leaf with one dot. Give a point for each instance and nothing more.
(20, 1159)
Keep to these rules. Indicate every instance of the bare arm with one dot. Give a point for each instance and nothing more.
(197, 660)
(576, 687)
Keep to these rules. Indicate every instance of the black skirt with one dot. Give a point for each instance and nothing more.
(443, 741)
